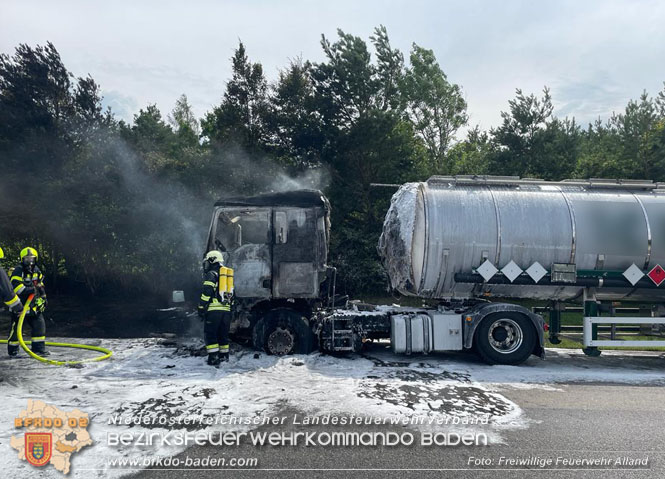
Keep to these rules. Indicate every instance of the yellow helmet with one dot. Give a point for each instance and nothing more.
(2, 253)
(215, 256)
(29, 252)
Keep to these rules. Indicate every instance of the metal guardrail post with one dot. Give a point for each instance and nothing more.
(613, 326)
(586, 332)
(590, 328)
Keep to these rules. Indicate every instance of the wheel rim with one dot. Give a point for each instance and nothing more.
(505, 336)
(281, 341)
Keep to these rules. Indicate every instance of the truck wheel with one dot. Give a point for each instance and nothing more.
(505, 338)
(284, 331)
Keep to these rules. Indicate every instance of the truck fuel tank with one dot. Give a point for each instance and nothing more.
(426, 332)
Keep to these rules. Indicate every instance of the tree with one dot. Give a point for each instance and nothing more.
(35, 101)
(389, 70)
(600, 153)
(519, 138)
(88, 101)
(240, 118)
(149, 133)
(380, 147)
(435, 106)
(634, 126)
(660, 102)
(366, 139)
(627, 145)
(295, 129)
(182, 119)
(345, 84)
(561, 143)
(472, 155)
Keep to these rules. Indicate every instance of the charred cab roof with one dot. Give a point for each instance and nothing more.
(297, 198)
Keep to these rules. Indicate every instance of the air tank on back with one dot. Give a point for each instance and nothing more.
(449, 226)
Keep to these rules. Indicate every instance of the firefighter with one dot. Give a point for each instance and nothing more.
(215, 306)
(7, 293)
(26, 280)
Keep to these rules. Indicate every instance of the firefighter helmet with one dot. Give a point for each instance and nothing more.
(29, 252)
(214, 256)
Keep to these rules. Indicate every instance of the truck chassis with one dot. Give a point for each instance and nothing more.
(501, 333)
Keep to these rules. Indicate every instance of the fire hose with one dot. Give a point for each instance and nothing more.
(106, 353)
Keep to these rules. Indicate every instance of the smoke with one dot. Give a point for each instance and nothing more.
(311, 179)
(174, 212)
(135, 219)
(242, 173)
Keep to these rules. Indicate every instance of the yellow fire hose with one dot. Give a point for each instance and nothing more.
(106, 353)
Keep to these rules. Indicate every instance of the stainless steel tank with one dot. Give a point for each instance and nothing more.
(450, 225)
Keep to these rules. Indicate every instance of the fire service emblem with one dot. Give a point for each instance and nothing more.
(38, 448)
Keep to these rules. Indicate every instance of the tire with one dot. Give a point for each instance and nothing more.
(283, 331)
(505, 338)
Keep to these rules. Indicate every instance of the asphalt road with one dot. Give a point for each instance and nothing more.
(567, 421)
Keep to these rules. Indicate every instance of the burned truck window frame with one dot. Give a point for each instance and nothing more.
(239, 226)
(281, 225)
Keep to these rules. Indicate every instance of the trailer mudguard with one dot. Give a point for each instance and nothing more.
(479, 312)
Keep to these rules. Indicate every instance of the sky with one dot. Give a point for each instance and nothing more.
(594, 55)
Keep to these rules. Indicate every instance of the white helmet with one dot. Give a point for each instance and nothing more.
(213, 257)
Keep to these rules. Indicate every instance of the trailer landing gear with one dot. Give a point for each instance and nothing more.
(555, 321)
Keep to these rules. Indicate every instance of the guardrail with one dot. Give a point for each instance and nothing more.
(590, 321)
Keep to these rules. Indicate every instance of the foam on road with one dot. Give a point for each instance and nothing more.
(165, 381)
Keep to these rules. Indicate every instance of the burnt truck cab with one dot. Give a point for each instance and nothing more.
(277, 244)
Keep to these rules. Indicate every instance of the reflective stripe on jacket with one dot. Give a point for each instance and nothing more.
(7, 293)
